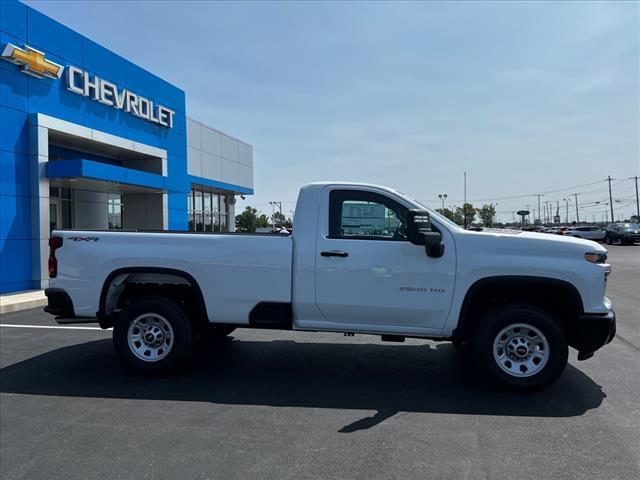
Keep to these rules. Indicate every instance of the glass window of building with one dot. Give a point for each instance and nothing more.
(208, 211)
(114, 208)
(60, 207)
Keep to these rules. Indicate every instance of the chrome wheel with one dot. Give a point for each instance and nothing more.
(150, 337)
(521, 350)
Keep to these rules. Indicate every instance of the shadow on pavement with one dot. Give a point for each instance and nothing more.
(384, 378)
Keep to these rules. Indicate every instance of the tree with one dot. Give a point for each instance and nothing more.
(487, 215)
(446, 213)
(454, 216)
(279, 219)
(247, 221)
(467, 214)
(263, 221)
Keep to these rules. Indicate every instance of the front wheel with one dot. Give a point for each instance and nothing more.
(153, 335)
(520, 346)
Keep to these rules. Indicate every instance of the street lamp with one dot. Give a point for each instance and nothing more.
(443, 197)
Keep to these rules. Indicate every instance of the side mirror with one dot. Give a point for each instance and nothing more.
(419, 232)
(418, 224)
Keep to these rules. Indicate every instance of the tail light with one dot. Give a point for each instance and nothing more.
(54, 244)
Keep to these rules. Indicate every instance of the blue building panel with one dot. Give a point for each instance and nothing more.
(100, 61)
(15, 263)
(14, 175)
(14, 90)
(15, 219)
(221, 185)
(53, 38)
(82, 168)
(13, 19)
(14, 132)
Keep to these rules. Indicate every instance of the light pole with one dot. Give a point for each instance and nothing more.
(443, 197)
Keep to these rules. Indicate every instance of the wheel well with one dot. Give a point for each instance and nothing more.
(123, 285)
(558, 298)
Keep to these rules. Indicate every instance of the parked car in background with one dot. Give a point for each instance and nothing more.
(590, 232)
(623, 233)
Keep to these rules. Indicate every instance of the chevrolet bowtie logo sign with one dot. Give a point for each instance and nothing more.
(32, 61)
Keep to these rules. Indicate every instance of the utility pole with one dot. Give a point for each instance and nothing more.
(637, 200)
(611, 199)
(558, 210)
(566, 204)
(577, 215)
(464, 210)
(539, 195)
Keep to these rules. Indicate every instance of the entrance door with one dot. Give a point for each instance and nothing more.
(368, 273)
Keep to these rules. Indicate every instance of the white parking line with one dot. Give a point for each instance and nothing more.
(60, 327)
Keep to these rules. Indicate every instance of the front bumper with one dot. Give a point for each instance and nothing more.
(592, 331)
(630, 238)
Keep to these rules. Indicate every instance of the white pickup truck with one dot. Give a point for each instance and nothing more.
(361, 259)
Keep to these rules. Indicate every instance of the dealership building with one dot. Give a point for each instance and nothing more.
(89, 140)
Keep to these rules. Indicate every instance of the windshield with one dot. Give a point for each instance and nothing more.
(631, 226)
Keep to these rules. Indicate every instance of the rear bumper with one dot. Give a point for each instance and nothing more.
(59, 303)
(592, 331)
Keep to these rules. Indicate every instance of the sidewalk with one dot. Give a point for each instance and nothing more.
(14, 302)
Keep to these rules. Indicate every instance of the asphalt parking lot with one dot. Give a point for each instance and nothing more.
(293, 405)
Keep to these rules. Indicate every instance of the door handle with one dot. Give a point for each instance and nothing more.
(334, 253)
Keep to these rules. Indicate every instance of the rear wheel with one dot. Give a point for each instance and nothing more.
(520, 346)
(153, 335)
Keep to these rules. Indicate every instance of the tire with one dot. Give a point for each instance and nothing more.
(519, 346)
(608, 240)
(153, 335)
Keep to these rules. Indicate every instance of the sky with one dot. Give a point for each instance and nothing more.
(527, 98)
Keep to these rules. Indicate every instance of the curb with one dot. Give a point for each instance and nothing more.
(22, 301)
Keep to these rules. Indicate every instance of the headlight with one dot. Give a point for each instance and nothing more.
(595, 257)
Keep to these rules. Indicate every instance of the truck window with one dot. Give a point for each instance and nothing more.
(355, 214)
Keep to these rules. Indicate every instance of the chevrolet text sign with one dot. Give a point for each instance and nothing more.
(81, 82)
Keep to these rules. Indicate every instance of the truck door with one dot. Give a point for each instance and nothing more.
(368, 273)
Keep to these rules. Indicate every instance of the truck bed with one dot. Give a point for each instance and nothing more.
(235, 272)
